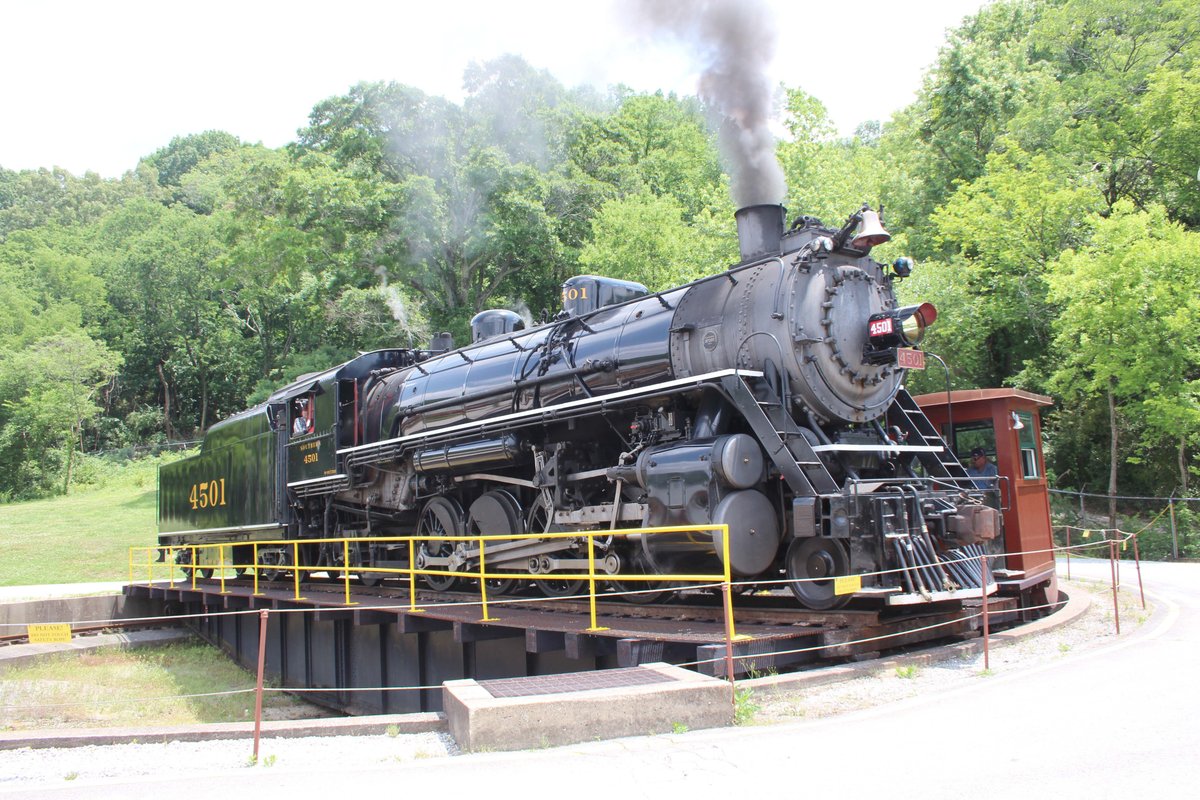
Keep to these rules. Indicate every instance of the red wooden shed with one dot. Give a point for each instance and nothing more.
(1006, 424)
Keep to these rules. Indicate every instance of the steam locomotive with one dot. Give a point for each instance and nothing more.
(769, 398)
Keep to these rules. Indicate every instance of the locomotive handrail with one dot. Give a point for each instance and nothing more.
(535, 414)
(875, 448)
(322, 479)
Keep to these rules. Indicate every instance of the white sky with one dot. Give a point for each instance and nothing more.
(96, 85)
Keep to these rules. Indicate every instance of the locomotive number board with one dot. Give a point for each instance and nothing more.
(908, 358)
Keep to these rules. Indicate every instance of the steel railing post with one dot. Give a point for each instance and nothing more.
(256, 570)
(296, 568)
(412, 576)
(483, 583)
(592, 582)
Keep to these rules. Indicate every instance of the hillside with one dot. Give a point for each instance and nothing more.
(85, 535)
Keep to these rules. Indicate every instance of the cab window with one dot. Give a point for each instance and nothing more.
(302, 415)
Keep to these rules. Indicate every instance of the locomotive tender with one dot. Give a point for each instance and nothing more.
(768, 398)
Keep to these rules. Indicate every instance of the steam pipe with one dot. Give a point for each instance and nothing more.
(903, 565)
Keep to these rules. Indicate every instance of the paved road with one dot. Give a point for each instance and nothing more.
(1117, 721)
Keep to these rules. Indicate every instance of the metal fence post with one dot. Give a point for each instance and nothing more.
(987, 664)
(1068, 552)
(1137, 560)
(1112, 561)
(258, 690)
(729, 644)
(1174, 533)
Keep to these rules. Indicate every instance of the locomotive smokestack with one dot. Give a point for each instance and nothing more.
(760, 230)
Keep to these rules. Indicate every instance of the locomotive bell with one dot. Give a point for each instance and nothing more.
(870, 231)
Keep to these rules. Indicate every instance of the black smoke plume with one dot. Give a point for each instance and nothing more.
(734, 40)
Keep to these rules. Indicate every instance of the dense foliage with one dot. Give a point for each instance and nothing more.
(1045, 179)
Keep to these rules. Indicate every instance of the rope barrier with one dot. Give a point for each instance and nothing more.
(122, 700)
(1124, 497)
(437, 687)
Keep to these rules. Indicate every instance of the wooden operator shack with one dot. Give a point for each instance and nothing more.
(1006, 424)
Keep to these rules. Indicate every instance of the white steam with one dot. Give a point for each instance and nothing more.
(392, 297)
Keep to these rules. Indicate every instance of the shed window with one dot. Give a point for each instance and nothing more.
(1027, 440)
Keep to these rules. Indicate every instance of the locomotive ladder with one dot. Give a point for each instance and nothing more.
(905, 414)
(799, 464)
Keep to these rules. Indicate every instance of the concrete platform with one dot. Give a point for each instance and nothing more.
(524, 713)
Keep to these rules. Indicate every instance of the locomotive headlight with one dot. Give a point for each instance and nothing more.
(900, 327)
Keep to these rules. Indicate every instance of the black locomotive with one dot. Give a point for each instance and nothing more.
(768, 398)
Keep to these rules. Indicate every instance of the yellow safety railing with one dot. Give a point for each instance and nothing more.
(195, 558)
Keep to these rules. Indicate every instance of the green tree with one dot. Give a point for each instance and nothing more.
(1126, 335)
(49, 393)
(983, 77)
(184, 153)
(473, 202)
(1105, 56)
(1004, 230)
(31, 199)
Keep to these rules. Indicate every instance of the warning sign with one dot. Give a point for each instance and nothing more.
(50, 633)
(847, 584)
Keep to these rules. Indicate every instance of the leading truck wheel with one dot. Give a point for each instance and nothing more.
(812, 565)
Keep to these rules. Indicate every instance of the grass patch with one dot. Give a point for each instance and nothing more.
(116, 686)
(744, 706)
(85, 535)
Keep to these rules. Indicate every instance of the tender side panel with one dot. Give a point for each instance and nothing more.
(229, 484)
